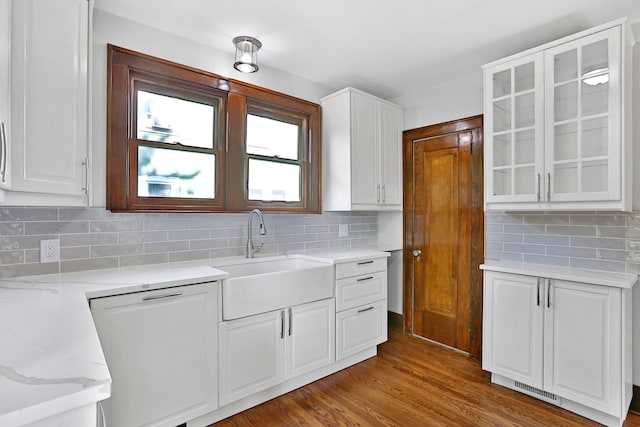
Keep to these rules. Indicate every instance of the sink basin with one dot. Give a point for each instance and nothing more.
(260, 286)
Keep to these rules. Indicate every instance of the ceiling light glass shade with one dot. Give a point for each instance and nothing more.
(596, 77)
(246, 54)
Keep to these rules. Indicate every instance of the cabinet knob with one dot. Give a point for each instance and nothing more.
(417, 252)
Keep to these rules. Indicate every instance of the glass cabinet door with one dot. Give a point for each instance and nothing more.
(583, 130)
(513, 124)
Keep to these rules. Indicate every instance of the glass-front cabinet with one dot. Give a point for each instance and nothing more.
(583, 113)
(513, 119)
(554, 125)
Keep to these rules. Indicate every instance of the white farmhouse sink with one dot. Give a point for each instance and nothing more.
(259, 286)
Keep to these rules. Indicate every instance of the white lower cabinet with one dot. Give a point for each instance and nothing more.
(261, 351)
(564, 341)
(361, 305)
(160, 347)
(361, 328)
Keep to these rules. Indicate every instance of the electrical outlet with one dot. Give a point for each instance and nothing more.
(343, 230)
(49, 250)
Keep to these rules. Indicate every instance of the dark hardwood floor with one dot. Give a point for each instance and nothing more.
(411, 383)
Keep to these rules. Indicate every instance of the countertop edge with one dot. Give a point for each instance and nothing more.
(595, 277)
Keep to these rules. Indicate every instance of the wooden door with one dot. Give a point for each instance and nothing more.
(444, 233)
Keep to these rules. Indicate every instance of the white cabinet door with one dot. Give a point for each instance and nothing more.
(513, 327)
(310, 337)
(390, 149)
(583, 116)
(362, 152)
(161, 350)
(360, 328)
(514, 132)
(49, 96)
(250, 354)
(583, 344)
(5, 93)
(365, 184)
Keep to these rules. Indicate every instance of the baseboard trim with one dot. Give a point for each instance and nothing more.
(635, 400)
(395, 320)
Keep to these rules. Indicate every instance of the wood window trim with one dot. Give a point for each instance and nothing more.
(231, 159)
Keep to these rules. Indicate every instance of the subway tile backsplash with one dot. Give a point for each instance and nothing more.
(93, 238)
(594, 240)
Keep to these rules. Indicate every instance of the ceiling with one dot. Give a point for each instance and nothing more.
(388, 48)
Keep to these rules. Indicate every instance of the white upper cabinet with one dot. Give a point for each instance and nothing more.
(514, 128)
(5, 91)
(49, 41)
(555, 125)
(361, 152)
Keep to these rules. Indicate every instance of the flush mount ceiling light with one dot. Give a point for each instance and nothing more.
(596, 77)
(246, 54)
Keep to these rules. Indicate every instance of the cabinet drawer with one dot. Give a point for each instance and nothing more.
(360, 328)
(356, 291)
(356, 268)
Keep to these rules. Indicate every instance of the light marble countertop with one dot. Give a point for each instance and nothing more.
(50, 356)
(595, 277)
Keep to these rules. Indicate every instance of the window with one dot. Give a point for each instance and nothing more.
(275, 146)
(178, 143)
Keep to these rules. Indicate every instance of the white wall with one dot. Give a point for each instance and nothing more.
(450, 101)
(118, 31)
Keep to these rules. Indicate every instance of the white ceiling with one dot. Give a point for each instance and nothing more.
(389, 48)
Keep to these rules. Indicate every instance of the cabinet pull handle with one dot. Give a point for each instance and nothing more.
(364, 279)
(548, 293)
(282, 324)
(103, 419)
(365, 262)
(85, 163)
(548, 187)
(290, 321)
(4, 153)
(384, 194)
(378, 193)
(155, 297)
(538, 187)
(538, 290)
(365, 309)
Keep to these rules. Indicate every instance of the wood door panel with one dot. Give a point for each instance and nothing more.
(440, 197)
(436, 287)
(440, 190)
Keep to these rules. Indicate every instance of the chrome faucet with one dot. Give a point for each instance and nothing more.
(262, 229)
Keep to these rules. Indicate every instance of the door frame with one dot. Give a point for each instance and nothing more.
(473, 124)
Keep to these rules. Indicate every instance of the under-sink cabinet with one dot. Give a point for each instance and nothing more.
(361, 305)
(563, 341)
(557, 124)
(261, 351)
(161, 349)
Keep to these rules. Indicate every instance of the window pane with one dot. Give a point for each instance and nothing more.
(269, 137)
(271, 181)
(174, 173)
(173, 120)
